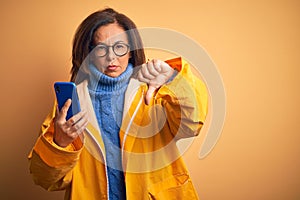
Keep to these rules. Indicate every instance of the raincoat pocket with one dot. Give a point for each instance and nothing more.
(177, 187)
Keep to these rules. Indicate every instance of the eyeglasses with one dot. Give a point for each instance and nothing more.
(120, 49)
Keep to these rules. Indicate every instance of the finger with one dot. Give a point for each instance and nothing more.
(165, 69)
(141, 78)
(64, 110)
(153, 69)
(149, 94)
(76, 118)
(157, 65)
(80, 126)
(82, 120)
(145, 70)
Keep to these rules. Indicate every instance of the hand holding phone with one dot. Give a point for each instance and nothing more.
(69, 122)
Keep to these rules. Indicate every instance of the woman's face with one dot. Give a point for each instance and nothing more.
(110, 39)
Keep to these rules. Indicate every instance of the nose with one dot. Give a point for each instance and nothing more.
(110, 54)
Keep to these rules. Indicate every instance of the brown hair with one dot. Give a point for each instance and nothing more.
(83, 39)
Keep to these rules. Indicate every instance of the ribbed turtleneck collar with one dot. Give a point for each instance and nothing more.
(101, 82)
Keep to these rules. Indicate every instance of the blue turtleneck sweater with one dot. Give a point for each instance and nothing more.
(107, 95)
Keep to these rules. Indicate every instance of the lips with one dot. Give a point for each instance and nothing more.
(112, 67)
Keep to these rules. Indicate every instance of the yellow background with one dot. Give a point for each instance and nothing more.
(255, 45)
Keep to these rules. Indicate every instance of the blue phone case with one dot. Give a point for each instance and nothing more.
(65, 91)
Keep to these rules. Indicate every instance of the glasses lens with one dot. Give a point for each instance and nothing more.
(100, 50)
(120, 49)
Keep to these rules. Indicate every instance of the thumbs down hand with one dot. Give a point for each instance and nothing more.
(155, 73)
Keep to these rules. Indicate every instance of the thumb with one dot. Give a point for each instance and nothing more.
(64, 110)
(149, 94)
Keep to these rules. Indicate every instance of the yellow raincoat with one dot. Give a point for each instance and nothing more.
(152, 164)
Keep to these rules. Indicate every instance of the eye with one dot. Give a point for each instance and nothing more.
(120, 46)
(101, 48)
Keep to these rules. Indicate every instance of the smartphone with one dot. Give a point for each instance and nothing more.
(65, 91)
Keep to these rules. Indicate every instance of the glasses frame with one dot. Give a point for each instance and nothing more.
(113, 48)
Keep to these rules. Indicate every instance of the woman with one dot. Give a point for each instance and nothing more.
(122, 145)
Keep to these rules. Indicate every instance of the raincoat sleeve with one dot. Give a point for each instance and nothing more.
(185, 100)
(50, 165)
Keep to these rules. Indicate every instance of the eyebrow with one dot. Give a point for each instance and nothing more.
(102, 43)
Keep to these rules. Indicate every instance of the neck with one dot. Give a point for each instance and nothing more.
(100, 82)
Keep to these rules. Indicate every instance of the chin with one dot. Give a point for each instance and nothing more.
(112, 74)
